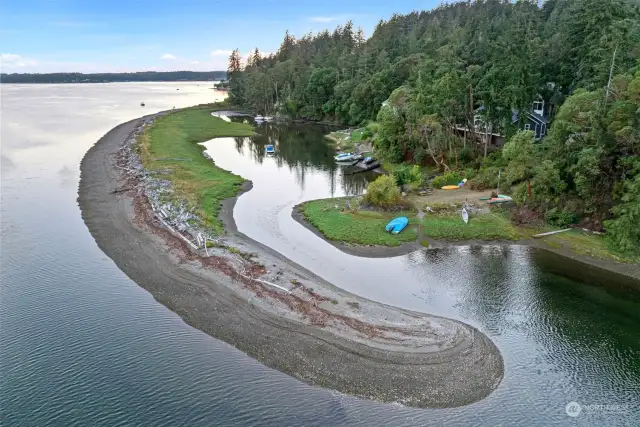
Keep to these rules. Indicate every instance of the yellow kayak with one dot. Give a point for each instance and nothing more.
(450, 187)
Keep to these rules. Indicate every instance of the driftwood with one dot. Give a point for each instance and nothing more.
(549, 233)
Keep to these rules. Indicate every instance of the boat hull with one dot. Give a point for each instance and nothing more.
(397, 224)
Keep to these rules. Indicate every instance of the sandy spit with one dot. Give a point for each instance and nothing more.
(316, 332)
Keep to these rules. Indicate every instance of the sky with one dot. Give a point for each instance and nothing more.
(41, 36)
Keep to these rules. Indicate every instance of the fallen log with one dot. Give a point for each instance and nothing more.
(549, 233)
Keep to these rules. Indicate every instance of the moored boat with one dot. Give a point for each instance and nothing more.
(347, 157)
(270, 149)
(259, 118)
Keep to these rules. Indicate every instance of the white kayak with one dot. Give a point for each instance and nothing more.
(465, 216)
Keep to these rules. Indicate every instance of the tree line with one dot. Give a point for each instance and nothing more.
(478, 66)
(142, 76)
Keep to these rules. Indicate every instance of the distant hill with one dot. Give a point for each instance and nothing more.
(143, 76)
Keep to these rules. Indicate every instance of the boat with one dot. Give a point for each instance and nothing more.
(142, 104)
(450, 187)
(270, 149)
(397, 224)
(259, 118)
(369, 160)
(465, 216)
(345, 157)
(497, 200)
(268, 118)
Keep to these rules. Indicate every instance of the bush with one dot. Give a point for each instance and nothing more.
(466, 155)
(406, 175)
(486, 178)
(383, 192)
(373, 127)
(470, 173)
(559, 218)
(449, 178)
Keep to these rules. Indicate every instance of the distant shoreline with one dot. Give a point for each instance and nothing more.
(136, 77)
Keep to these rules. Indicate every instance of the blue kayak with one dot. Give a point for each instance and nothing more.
(397, 224)
(270, 149)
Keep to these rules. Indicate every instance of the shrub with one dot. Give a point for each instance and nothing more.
(470, 173)
(560, 218)
(466, 155)
(449, 178)
(373, 127)
(404, 174)
(383, 192)
(486, 178)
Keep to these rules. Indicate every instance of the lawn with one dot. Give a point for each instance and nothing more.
(171, 145)
(588, 244)
(488, 226)
(362, 227)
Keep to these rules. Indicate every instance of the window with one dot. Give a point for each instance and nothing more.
(538, 106)
(527, 126)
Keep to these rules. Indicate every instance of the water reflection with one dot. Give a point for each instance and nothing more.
(297, 149)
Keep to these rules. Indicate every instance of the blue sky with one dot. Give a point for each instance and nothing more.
(132, 35)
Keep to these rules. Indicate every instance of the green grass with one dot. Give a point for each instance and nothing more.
(195, 179)
(362, 227)
(588, 244)
(489, 226)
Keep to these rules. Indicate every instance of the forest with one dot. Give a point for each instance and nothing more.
(142, 76)
(434, 85)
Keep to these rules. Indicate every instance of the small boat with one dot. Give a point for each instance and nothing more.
(347, 157)
(397, 224)
(142, 104)
(497, 200)
(465, 216)
(369, 160)
(450, 187)
(270, 149)
(267, 118)
(259, 118)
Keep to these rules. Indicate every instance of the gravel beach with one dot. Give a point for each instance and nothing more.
(305, 326)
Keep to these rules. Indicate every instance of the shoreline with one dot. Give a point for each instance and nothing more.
(625, 270)
(311, 330)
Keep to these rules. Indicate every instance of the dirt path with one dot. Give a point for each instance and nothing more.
(450, 196)
(314, 332)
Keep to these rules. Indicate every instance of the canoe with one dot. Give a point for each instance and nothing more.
(397, 224)
(450, 187)
(465, 216)
(485, 198)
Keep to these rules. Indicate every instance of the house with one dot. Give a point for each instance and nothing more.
(536, 120)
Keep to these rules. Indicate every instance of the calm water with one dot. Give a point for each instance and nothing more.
(84, 345)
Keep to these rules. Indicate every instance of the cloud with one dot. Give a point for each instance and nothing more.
(325, 19)
(168, 56)
(9, 61)
(194, 62)
(220, 52)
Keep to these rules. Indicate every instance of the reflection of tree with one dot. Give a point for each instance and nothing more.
(354, 184)
(588, 329)
(298, 147)
(240, 142)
